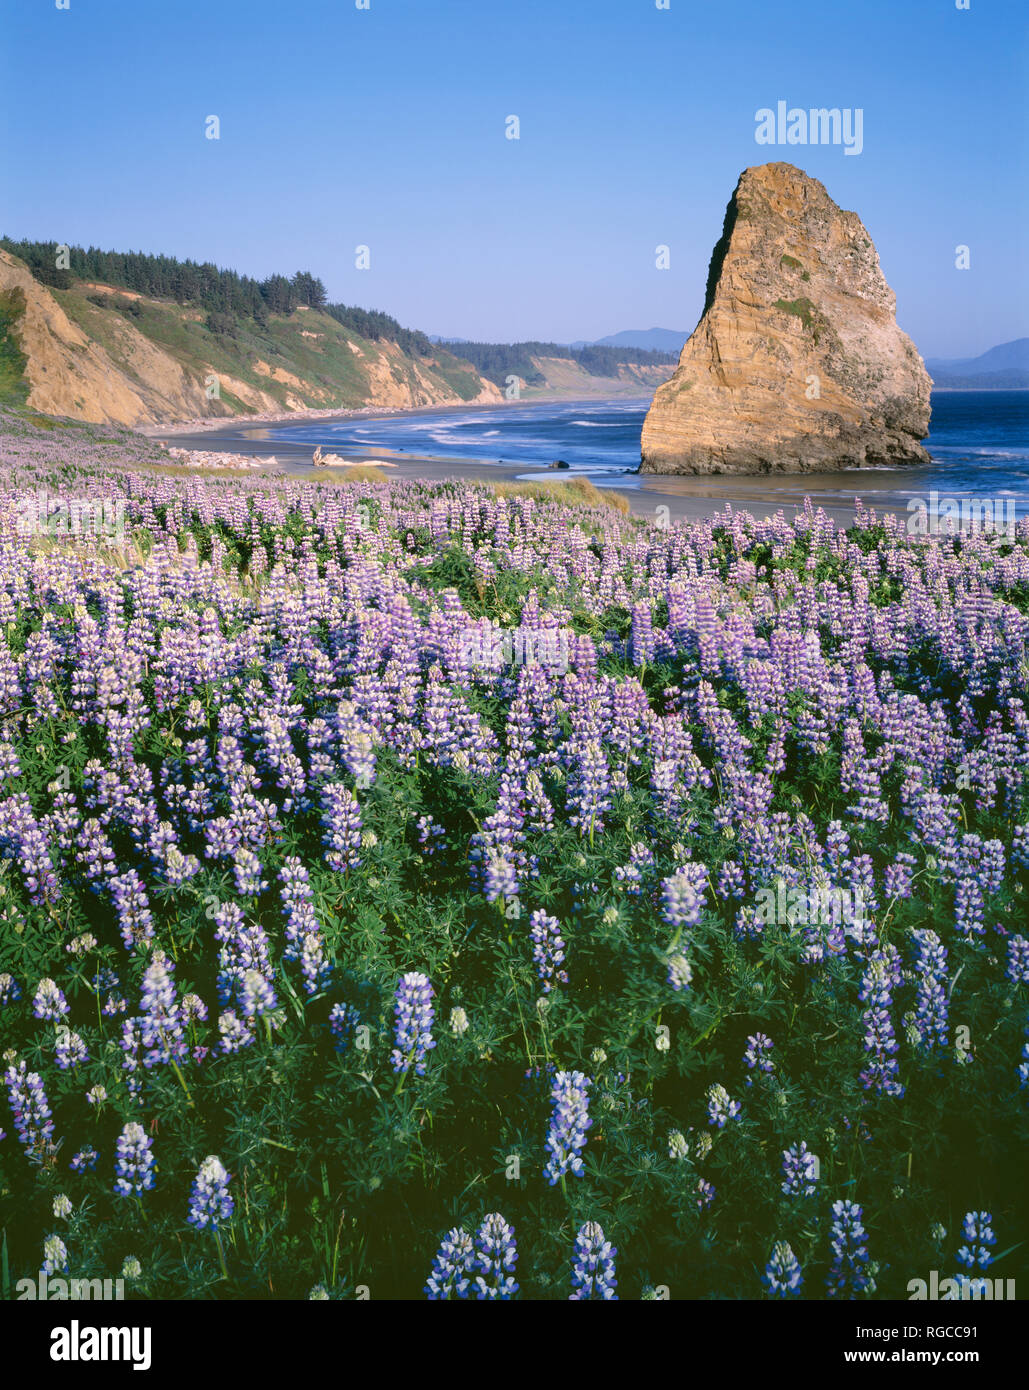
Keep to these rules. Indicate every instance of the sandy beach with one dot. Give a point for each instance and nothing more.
(685, 498)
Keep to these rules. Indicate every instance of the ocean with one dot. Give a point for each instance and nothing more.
(979, 440)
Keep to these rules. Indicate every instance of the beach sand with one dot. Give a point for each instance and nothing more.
(686, 498)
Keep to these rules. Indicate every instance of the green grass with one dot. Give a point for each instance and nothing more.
(332, 367)
(14, 388)
(804, 310)
(576, 492)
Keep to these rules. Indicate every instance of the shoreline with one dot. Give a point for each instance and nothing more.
(206, 423)
(664, 498)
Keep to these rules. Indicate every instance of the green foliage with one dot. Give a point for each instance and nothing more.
(498, 361)
(13, 386)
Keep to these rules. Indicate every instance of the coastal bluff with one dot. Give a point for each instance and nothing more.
(797, 364)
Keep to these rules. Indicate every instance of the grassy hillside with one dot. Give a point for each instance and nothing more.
(304, 359)
(141, 339)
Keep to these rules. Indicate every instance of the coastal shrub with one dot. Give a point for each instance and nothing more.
(576, 491)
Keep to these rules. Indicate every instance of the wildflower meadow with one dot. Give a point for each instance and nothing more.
(413, 892)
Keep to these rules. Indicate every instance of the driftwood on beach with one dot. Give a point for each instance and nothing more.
(321, 460)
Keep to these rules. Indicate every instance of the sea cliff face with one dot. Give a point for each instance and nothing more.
(797, 363)
(86, 360)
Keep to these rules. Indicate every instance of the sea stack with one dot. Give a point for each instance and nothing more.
(797, 364)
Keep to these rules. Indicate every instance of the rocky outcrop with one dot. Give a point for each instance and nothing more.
(797, 363)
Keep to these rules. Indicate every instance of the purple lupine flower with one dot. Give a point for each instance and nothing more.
(451, 1270)
(343, 1020)
(55, 1255)
(641, 861)
(897, 880)
(85, 1160)
(431, 835)
(880, 1040)
(210, 1202)
(194, 1010)
(69, 1050)
(161, 1014)
(641, 641)
(731, 881)
(782, 1277)
(500, 879)
(548, 949)
(800, 1169)
(256, 995)
(130, 1046)
(706, 1194)
(593, 1266)
(49, 1002)
(682, 896)
(303, 933)
(134, 1167)
(969, 907)
(37, 866)
(589, 788)
(847, 1275)
(30, 1110)
(9, 991)
(414, 1014)
(495, 1257)
(758, 1044)
(930, 1020)
(568, 1125)
(721, 1107)
(243, 946)
(1020, 846)
(680, 971)
(235, 1035)
(1018, 960)
(246, 872)
(135, 920)
(979, 1236)
(341, 817)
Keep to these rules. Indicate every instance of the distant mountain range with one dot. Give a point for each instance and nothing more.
(1002, 368)
(650, 339)
(656, 339)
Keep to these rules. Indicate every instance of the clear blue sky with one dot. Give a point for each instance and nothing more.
(385, 127)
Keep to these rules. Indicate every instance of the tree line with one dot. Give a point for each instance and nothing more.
(165, 277)
(225, 294)
(497, 361)
(228, 296)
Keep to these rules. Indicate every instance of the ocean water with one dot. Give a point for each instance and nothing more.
(593, 437)
(979, 440)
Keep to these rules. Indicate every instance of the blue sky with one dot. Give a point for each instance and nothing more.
(385, 127)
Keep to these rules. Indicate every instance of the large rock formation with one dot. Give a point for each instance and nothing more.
(797, 363)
